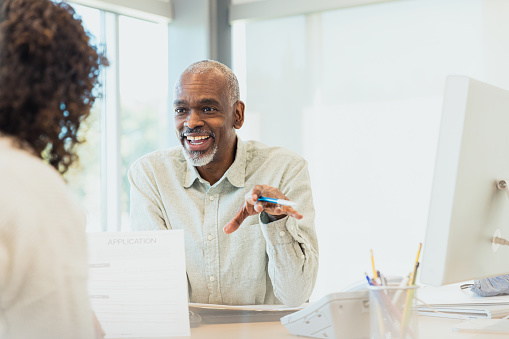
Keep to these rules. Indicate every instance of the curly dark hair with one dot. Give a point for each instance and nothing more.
(48, 77)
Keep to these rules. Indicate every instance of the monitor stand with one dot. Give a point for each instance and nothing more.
(489, 325)
(497, 240)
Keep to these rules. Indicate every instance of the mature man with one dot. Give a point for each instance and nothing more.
(272, 256)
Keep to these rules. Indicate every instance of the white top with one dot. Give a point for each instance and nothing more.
(43, 264)
(261, 262)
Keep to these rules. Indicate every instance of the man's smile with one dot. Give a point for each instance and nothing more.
(198, 142)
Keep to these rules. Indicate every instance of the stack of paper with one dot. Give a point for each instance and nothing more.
(224, 314)
(450, 301)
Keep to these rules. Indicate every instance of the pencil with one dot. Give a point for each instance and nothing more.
(375, 275)
(410, 295)
(413, 276)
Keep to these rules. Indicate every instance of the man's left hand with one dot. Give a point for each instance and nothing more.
(252, 206)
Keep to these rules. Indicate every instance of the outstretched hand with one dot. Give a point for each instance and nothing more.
(252, 206)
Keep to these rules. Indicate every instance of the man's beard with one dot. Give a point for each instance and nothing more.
(198, 159)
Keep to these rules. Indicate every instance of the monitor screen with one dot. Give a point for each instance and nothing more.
(467, 209)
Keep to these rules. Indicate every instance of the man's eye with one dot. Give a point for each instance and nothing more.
(208, 109)
(180, 111)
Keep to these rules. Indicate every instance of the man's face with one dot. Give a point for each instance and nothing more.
(204, 119)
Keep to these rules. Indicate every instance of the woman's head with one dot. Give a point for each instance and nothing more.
(48, 71)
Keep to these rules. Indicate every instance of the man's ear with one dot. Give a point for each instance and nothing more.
(239, 114)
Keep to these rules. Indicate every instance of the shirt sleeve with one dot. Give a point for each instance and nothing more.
(146, 205)
(292, 245)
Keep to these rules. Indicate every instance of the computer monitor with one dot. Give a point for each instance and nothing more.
(467, 208)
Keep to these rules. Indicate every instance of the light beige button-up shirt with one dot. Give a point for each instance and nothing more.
(260, 263)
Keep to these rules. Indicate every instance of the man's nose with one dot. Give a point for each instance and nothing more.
(193, 120)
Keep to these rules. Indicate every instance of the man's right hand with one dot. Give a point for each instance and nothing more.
(252, 206)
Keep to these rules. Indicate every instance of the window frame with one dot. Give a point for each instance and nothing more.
(110, 157)
(160, 11)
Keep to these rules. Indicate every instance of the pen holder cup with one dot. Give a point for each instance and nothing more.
(392, 313)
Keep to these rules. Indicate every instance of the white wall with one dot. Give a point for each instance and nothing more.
(358, 92)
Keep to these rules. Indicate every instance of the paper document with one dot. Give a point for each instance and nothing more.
(450, 301)
(224, 314)
(273, 308)
(466, 312)
(138, 283)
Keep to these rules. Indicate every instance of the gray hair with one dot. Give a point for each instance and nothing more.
(205, 66)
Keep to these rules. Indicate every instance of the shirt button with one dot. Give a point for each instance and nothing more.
(211, 278)
(302, 256)
(282, 233)
(210, 237)
(211, 197)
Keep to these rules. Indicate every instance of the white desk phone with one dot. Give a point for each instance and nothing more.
(342, 315)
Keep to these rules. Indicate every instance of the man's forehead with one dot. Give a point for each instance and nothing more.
(200, 87)
(209, 75)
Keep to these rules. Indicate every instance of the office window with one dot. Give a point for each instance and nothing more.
(143, 77)
(357, 92)
(128, 121)
(84, 178)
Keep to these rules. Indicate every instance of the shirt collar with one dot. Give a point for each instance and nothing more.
(191, 173)
(236, 174)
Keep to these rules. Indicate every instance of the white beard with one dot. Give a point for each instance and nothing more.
(198, 159)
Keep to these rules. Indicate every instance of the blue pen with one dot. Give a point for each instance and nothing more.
(277, 201)
(367, 278)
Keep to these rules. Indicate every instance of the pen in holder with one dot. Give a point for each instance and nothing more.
(392, 313)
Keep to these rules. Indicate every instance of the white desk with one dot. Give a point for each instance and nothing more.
(429, 328)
